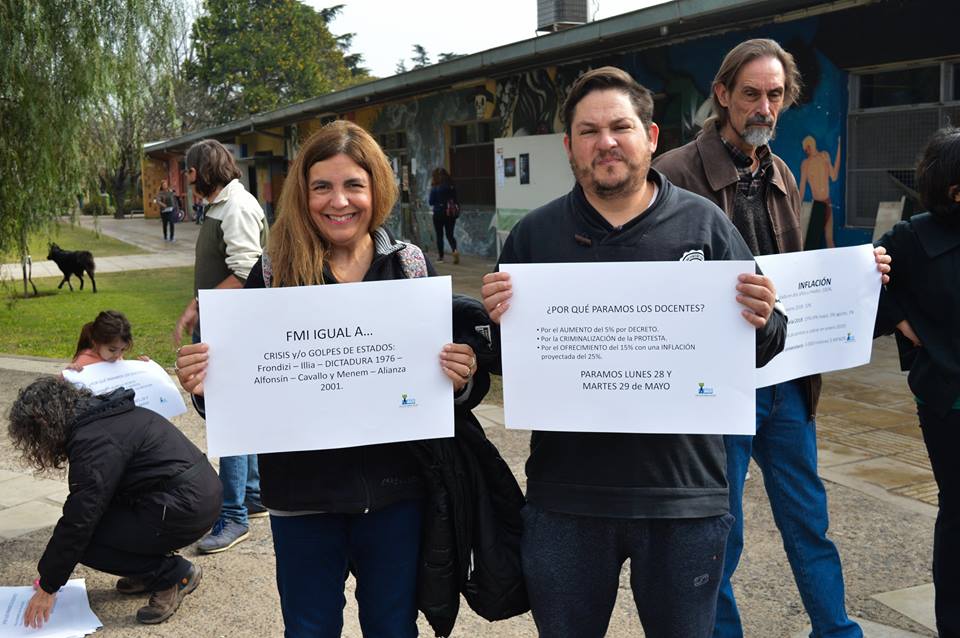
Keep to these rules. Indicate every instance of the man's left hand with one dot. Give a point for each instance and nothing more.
(757, 295)
(883, 263)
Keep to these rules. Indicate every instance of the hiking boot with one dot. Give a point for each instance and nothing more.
(255, 509)
(223, 536)
(165, 602)
(456, 257)
(131, 585)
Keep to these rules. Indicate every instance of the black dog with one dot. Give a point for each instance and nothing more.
(73, 262)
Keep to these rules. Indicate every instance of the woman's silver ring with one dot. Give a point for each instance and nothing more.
(176, 368)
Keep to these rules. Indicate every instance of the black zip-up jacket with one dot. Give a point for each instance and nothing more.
(348, 480)
(924, 289)
(120, 455)
(632, 475)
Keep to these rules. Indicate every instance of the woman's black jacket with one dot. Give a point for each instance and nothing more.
(120, 455)
(471, 526)
(924, 289)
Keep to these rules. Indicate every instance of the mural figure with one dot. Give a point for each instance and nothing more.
(818, 171)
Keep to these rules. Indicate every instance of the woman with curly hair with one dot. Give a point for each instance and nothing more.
(139, 490)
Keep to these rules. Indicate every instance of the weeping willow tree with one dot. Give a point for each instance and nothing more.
(63, 65)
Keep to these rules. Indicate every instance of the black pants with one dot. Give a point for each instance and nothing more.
(138, 544)
(167, 220)
(571, 565)
(443, 222)
(942, 437)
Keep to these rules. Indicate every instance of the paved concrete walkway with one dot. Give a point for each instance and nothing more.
(877, 475)
(145, 233)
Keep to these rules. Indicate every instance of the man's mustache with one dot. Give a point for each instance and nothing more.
(617, 155)
(761, 120)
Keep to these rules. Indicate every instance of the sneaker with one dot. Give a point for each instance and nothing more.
(440, 258)
(456, 257)
(165, 602)
(131, 585)
(255, 509)
(223, 536)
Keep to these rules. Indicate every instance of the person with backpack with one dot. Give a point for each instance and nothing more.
(446, 210)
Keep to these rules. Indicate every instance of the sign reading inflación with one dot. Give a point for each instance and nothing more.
(321, 367)
(646, 347)
(830, 297)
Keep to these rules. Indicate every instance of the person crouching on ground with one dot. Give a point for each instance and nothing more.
(139, 490)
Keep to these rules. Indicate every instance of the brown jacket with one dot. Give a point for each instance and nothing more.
(705, 167)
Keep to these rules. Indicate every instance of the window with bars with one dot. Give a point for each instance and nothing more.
(471, 162)
(892, 115)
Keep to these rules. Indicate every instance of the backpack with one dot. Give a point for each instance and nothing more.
(453, 208)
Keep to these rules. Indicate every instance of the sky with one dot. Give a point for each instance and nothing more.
(386, 30)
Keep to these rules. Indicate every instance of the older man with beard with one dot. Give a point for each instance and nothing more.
(730, 163)
(594, 500)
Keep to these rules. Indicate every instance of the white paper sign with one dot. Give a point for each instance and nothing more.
(153, 387)
(71, 616)
(628, 347)
(831, 297)
(320, 367)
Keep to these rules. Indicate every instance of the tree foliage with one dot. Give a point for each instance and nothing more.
(256, 55)
(420, 56)
(62, 63)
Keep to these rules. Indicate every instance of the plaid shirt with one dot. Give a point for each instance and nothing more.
(749, 205)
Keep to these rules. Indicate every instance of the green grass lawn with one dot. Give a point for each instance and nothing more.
(72, 237)
(49, 325)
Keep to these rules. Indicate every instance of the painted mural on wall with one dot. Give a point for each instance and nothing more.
(810, 136)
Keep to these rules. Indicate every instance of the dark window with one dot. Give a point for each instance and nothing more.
(899, 88)
(956, 81)
(394, 140)
(471, 162)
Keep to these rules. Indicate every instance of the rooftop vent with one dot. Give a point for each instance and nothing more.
(557, 15)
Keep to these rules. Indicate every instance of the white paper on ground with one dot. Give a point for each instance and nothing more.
(71, 616)
(153, 387)
(657, 347)
(831, 298)
(320, 367)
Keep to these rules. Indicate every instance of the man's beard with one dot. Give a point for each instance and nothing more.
(631, 182)
(759, 131)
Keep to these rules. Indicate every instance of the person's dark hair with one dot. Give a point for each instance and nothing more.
(214, 164)
(742, 55)
(109, 326)
(938, 175)
(40, 419)
(605, 78)
(439, 177)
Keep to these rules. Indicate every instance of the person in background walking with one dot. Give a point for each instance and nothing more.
(167, 199)
(922, 302)
(442, 194)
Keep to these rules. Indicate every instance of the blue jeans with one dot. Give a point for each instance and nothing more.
(240, 477)
(571, 565)
(315, 551)
(785, 448)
